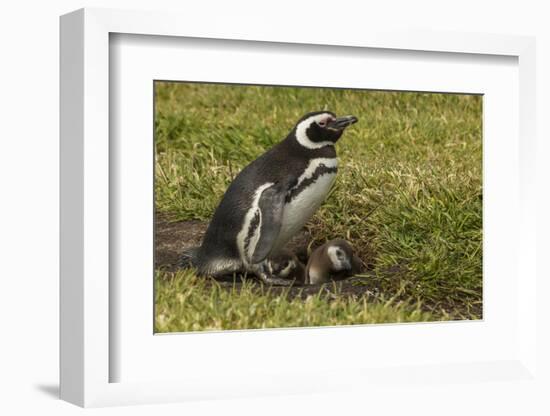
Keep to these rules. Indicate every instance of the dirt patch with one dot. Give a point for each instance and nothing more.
(171, 238)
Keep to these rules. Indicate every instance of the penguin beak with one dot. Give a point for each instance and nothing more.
(346, 265)
(341, 123)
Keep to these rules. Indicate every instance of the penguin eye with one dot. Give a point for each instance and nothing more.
(286, 263)
(324, 122)
(340, 254)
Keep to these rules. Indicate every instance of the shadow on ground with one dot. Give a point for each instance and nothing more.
(51, 390)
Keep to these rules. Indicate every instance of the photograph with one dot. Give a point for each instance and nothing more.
(294, 207)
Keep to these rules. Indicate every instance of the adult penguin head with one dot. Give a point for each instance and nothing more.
(321, 128)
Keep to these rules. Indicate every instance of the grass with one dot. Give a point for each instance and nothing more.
(408, 194)
(189, 303)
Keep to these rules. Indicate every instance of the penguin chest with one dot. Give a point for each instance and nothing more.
(306, 197)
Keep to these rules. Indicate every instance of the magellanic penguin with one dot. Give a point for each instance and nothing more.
(334, 259)
(286, 265)
(271, 199)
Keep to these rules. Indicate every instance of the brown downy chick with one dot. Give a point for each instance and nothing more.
(333, 260)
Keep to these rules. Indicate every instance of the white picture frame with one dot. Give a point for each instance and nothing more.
(87, 356)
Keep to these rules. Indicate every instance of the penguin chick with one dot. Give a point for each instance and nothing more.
(285, 265)
(334, 259)
(270, 200)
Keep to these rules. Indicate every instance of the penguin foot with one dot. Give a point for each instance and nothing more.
(263, 273)
(271, 280)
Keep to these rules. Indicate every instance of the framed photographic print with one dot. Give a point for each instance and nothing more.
(274, 214)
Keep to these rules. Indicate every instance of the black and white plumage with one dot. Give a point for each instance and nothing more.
(286, 265)
(271, 199)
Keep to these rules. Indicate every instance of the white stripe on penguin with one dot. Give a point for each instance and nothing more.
(313, 165)
(246, 254)
(301, 135)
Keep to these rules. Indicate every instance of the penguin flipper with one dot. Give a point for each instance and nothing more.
(271, 205)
